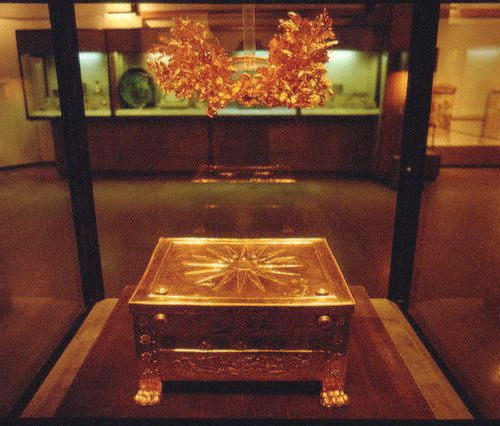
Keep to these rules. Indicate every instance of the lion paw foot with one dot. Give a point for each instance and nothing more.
(147, 397)
(333, 398)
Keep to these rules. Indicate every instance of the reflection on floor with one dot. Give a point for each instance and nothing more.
(459, 236)
(355, 215)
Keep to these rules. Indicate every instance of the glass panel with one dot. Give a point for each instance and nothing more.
(456, 292)
(248, 172)
(40, 289)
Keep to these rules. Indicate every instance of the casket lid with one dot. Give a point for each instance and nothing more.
(242, 271)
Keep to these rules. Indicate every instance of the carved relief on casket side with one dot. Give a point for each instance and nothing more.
(242, 365)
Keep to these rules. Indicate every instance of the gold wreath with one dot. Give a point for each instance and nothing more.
(191, 61)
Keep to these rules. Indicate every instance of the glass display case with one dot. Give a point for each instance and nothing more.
(117, 82)
(358, 78)
(40, 79)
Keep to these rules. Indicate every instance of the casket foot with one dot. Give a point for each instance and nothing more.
(149, 392)
(147, 397)
(334, 398)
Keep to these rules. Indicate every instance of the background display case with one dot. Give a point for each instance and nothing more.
(116, 79)
(465, 93)
(124, 103)
(39, 73)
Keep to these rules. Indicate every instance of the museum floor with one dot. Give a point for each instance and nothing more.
(38, 256)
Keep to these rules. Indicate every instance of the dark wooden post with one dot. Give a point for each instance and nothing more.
(65, 42)
(421, 67)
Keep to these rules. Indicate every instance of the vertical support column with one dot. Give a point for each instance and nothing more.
(421, 67)
(65, 43)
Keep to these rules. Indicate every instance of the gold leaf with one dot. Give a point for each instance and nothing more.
(191, 62)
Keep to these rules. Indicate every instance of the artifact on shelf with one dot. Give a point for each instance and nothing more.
(136, 88)
(190, 61)
(97, 99)
(209, 309)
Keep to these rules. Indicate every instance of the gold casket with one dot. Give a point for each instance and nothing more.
(242, 309)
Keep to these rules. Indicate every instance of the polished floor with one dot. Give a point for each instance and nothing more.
(457, 255)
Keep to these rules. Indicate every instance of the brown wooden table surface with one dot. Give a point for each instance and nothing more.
(378, 382)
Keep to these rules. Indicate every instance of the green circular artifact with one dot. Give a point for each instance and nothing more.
(136, 88)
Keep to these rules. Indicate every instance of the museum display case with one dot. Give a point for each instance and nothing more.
(358, 79)
(122, 97)
(117, 81)
(39, 74)
(245, 286)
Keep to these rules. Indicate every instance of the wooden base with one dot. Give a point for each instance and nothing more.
(439, 394)
(401, 347)
(50, 394)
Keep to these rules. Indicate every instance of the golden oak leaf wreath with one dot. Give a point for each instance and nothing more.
(191, 61)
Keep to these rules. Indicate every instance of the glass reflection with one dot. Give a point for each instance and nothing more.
(40, 289)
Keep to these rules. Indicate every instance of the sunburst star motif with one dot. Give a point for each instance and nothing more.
(257, 266)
